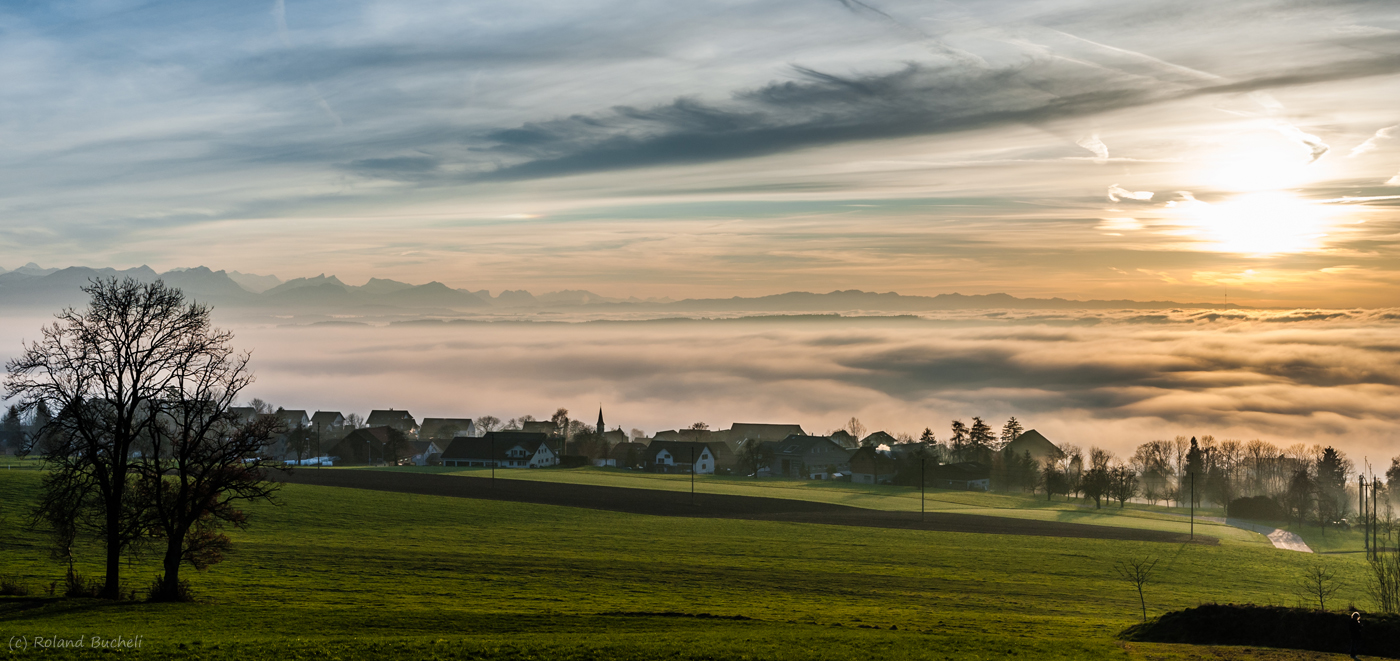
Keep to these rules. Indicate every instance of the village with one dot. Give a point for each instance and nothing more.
(394, 437)
(974, 458)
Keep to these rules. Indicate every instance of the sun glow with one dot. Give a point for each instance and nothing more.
(1265, 223)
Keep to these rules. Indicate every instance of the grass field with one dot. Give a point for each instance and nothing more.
(341, 573)
(885, 497)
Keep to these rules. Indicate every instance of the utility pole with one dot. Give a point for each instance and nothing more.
(1193, 504)
(1375, 522)
(1361, 511)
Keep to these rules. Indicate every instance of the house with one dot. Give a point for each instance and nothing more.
(291, 419)
(329, 423)
(683, 456)
(740, 432)
(546, 427)
(361, 447)
(627, 454)
(844, 439)
(615, 437)
(693, 436)
(445, 429)
(503, 449)
(872, 466)
(1032, 442)
(243, 414)
(878, 439)
(807, 457)
(966, 475)
(400, 420)
(428, 452)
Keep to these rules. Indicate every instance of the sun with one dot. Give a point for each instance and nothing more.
(1257, 224)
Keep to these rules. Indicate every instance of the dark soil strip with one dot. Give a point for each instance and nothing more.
(678, 503)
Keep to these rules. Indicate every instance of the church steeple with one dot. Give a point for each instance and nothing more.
(600, 421)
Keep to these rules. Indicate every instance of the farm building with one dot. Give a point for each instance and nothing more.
(400, 420)
(625, 455)
(446, 429)
(878, 439)
(1039, 447)
(967, 475)
(872, 466)
(808, 457)
(503, 449)
(371, 445)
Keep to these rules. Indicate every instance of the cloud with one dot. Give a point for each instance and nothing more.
(1371, 142)
(1095, 145)
(1117, 193)
(1315, 146)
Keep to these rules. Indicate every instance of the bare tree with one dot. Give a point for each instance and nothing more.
(1125, 484)
(488, 423)
(1320, 583)
(1384, 583)
(855, 428)
(103, 369)
(204, 463)
(354, 421)
(1138, 571)
(560, 420)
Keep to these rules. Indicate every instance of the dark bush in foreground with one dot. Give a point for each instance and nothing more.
(1269, 626)
(157, 591)
(1261, 508)
(13, 585)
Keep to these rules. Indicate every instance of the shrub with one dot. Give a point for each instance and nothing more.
(1384, 584)
(157, 591)
(77, 585)
(1257, 507)
(1268, 626)
(13, 586)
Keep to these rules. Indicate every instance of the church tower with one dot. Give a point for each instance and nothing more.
(600, 422)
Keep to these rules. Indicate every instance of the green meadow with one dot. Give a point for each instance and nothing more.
(900, 499)
(346, 574)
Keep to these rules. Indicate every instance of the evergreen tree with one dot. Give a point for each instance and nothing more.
(980, 440)
(1011, 430)
(1195, 470)
(12, 431)
(959, 440)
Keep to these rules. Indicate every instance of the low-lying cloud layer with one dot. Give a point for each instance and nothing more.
(1106, 379)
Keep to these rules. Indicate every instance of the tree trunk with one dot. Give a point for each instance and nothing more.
(170, 581)
(111, 588)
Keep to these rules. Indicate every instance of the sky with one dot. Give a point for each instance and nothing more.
(1243, 152)
(1061, 148)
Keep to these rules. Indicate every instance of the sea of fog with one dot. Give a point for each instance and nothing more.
(1092, 378)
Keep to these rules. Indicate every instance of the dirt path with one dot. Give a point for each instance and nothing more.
(679, 503)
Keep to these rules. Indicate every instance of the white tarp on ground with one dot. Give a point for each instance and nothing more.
(1282, 539)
